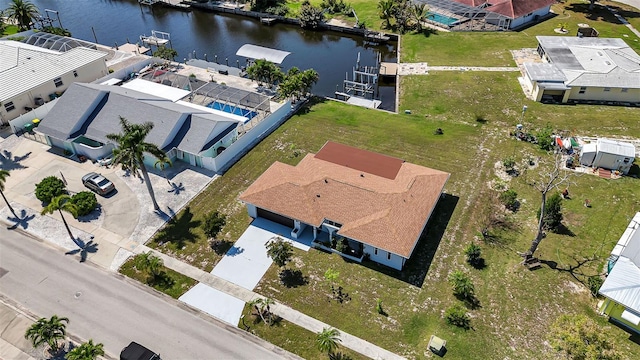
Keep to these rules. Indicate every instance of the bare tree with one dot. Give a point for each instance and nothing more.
(549, 178)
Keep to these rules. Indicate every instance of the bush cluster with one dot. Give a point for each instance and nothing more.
(49, 188)
(85, 201)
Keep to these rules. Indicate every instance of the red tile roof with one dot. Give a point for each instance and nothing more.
(510, 8)
(387, 213)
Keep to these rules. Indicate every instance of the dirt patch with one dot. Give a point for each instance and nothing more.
(574, 288)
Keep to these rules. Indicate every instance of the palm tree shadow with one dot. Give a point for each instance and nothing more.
(12, 162)
(179, 229)
(22, 221)
(176, 189)
(83, 249)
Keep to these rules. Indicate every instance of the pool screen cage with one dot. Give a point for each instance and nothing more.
(57, 42)
(173, 79)
(470, 18)
(234, 97)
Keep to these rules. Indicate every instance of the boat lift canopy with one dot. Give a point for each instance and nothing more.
(261, 52)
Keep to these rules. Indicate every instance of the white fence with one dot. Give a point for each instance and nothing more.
(234, 152)
(17, 124)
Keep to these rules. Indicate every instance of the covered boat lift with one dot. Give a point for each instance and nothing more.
(260, 52)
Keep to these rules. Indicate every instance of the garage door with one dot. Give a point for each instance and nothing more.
(275, 217)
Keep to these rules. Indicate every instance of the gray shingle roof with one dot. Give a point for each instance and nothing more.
(94, 111)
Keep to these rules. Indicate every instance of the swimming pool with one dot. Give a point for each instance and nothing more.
(442, 19)
(232, 109)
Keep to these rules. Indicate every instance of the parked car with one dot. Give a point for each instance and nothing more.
(98, 183)
(135, 351)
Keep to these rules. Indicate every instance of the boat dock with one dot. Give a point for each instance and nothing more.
(376, 37)
(268, 20)
(177, 4)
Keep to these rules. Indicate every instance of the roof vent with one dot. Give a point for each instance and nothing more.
(607, 62)
(361, 175)
(326, 181)
(317, 195)
(600, 53)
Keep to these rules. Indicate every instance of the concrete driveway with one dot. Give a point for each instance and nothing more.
(244, 264)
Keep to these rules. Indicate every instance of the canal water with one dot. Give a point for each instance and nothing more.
(331, 54)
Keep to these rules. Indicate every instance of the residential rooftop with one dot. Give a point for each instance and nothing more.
(379, 200)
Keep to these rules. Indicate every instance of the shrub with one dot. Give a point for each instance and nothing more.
(278, 10)
(552, 212)
(543, 136)
(213, 223)
(509, 199)
(509, 163)
(49, 188)
(462, 285)
(594, 283)
(85, 201)
(474, 254)
(379, 308)
(457, 315)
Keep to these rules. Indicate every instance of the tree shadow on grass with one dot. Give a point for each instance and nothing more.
(220, 247)
(563, 230)
(293, 278)
(576, 270)
(179, 230)
(598, 13)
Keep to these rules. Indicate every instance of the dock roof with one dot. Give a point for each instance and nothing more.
(260, 52)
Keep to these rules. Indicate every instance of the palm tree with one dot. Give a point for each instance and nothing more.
(419, 12)
(163, 164)
(386, 8)
(22, 12)
(327, 340)
(47, 331)
(147, 262)
(258, 305)
(131, 148)
(86, 351)
(3, 177)
(62, 203)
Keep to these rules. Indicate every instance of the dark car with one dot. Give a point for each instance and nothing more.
(98, 183)
(135, 351)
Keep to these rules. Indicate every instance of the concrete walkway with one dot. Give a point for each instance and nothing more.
(624, 21)
(423, 68)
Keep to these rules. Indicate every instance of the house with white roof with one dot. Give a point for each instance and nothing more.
(621, 289)
(584, 70)
(32, 75)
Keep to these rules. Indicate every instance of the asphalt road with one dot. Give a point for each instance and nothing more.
(112, 310)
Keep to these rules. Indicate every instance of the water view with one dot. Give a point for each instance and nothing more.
(198, 33)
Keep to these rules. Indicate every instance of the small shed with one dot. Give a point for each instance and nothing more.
(613, 155)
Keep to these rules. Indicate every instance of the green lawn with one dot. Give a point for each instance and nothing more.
(302, 344)
(179, 285)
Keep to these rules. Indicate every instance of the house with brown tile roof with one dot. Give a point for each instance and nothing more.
(358, 202)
